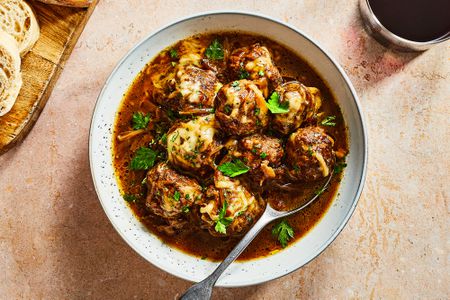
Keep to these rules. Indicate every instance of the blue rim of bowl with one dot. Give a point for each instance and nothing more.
(297, 31)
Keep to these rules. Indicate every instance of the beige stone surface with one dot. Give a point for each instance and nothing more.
(56, 242)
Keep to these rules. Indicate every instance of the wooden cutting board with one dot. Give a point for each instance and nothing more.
(41, 67)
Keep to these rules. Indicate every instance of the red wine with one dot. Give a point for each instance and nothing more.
(416, 20)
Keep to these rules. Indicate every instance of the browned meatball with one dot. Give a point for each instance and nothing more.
(303, 103)
(262, 153)
(229, 208)
(241, 108)
(171, 196)
(188, 90)
(256, 61)
(309, 153)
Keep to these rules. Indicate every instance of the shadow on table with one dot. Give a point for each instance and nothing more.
(365, 60)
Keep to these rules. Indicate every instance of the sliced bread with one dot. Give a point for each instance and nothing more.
(10, 76)
(74, 3)
(17, 19)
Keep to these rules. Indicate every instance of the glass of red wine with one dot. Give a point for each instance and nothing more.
(407, 25)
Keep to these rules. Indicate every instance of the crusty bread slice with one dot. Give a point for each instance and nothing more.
(10, 76)
(17, 19)
(74, 3)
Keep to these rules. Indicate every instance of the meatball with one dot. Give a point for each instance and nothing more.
(170, 196)
(304, 102)
(309, 153)
(262, 153)
(241, 108)
(229, 208)
(256, 61)
(192, 145)
(192, 90)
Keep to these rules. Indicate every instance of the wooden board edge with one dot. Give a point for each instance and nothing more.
(34, 114)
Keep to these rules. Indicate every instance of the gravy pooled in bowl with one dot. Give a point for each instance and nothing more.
(216, 126)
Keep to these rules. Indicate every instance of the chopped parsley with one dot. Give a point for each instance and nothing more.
(175, 136)
(339, 167)
(310, 151)
(257, 111)
(329, 121)
(140, 121)
(173, 53)
(236, 86)
(214, 50)
(163, 138)
(185, 209)
(173, 63)
(263, 155)
(144, 159)
(275, 106)
(243, 74)
(261, 73)
(176, 196)
(223, 221)
(233, 168)
(129, 197)
(284, 232)
(227, 108)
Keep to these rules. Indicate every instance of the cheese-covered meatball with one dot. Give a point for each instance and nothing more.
(190, 91)
(262, 153)
(229, 208)
(303, 103)
(171, 196)
(255, 63)
(241, 108)
(309, 154)
(192, 145)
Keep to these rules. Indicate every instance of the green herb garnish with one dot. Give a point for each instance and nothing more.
(176, 196)
(243, 74)
(261, 73)
(140, 121)
(284, 232)
(257, 111)
(223, 221)
(233, 168)
(329, 121)
(310, 151)
(275, 106)
(339, 167)
(227, 108)
(263, 155)
(214, 50)
(185, 209)
(163, 138)
(129, 197)
(144, 159)
(173, 53)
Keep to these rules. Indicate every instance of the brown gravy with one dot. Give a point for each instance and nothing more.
(199, 242)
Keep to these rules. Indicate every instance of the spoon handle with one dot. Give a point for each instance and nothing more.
(203, 289)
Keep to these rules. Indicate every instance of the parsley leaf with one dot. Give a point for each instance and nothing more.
(214, 50)
(263, 155)
(275, 106)
(140, 121)
(173, 53)
(339, 167)
(233, 168)
(329, 121)
(223, 222)
(176, 196)
(185, 209)
(243, 74)
(261, 73)
(284, 232)
(144, 159)
(129, 197)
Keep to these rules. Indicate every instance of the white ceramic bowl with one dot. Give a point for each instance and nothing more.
(173, 260)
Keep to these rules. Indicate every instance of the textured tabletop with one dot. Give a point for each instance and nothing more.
(57, 243)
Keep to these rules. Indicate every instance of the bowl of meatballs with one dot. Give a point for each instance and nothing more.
(210, 119)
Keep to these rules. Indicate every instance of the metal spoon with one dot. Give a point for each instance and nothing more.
(203, 289)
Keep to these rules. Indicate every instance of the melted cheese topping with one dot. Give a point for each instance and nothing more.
(186, 143)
